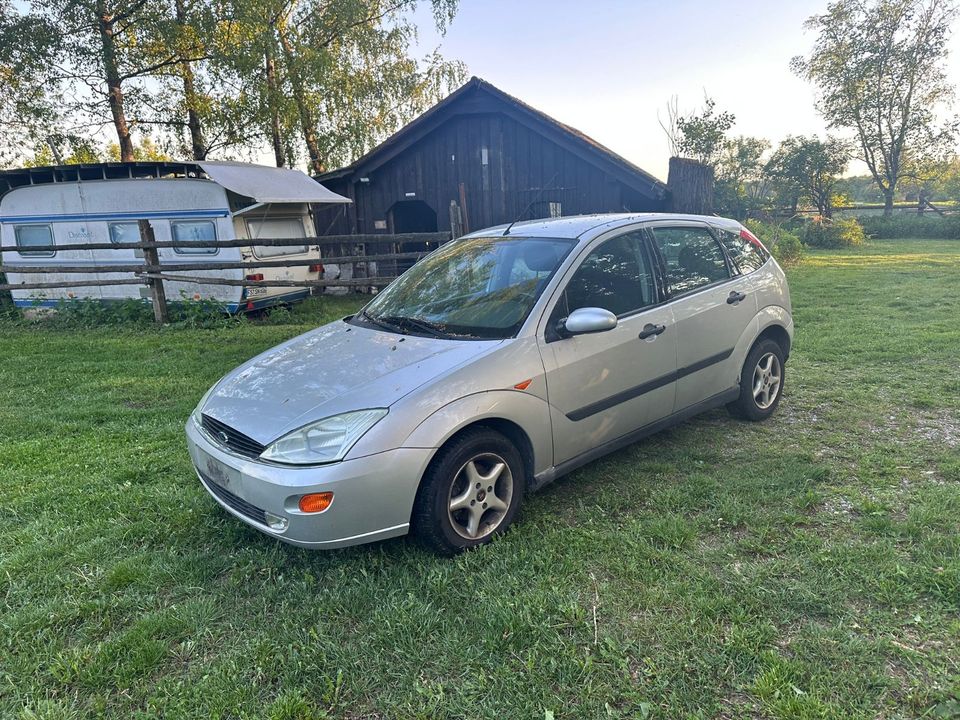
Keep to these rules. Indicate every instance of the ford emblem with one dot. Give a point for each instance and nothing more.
(223, 437)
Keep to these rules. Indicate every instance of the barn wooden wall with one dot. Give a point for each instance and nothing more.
(520, 164)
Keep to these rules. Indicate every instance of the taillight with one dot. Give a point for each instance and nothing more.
(317, 268)
(751, 238)
(256, 277)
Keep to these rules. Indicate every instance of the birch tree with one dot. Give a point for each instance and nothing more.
(878, 66)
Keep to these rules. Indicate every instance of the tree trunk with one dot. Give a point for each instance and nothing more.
(192, 101)
(112, 78)
(271, 69)
(888, 202)
(300, 98)
(690, 183)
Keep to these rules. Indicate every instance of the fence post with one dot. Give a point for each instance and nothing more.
(150, 257)
(456, 220)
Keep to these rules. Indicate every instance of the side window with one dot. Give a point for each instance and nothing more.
(693, 258)
(126, 233)
(616, 276)
(747, 256)
(194, 231)
(34, 240)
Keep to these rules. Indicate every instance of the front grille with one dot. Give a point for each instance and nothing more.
(234, 440)
(231, 500)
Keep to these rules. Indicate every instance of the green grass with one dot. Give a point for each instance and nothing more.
(807, 567)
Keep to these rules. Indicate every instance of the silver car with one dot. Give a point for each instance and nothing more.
(496, 364)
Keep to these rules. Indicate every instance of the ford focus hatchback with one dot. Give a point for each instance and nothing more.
(493, 366)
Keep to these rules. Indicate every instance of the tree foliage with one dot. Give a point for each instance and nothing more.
(879, 69)
(26, 49)
(742, 181)
(311, 79)
(699, 135)
(811, 167)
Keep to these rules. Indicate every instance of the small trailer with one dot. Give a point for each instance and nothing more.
(43, 208)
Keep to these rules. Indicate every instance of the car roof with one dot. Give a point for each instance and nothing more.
(579, 226)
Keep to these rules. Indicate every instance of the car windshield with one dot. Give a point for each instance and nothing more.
(474, 288)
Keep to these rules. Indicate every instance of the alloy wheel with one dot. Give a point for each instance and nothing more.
(766, 380)
(480, 496)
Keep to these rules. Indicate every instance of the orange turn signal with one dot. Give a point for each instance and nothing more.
(316, 502)
(523, 385)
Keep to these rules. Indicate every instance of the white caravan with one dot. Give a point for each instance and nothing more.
(43, 208)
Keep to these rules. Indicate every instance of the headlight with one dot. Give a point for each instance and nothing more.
(324, 441)
(203, 401)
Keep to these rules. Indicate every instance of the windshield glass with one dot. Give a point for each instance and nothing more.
(478, 287)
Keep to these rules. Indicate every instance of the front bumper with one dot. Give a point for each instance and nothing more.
(373, 495)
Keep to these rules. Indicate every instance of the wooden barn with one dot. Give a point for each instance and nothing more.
(481, 157)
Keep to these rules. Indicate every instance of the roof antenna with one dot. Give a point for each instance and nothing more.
(543, 189)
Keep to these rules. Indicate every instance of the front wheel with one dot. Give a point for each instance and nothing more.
(761, 382)
(470, 493)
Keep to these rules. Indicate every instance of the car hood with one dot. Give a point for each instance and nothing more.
(333, 369)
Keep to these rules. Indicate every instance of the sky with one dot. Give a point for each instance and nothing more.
(607, 67)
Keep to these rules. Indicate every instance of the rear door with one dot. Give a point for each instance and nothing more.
(604, 385)
(713, 305)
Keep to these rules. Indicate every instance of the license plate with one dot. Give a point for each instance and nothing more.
(256, 291)
(223, 475)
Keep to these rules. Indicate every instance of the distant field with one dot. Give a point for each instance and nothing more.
(808, 567)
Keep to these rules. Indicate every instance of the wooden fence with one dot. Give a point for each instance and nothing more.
(385, 250)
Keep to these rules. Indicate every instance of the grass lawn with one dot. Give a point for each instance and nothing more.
(807, 567)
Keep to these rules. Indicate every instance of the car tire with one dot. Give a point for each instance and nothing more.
(761, 382)
(470, 493)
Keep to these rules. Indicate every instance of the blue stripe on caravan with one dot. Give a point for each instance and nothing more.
(93, 217)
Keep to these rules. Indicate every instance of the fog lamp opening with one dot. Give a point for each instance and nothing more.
(315, 502)
(275, 522)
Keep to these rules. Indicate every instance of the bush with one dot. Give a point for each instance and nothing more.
(823, 233)
(912, 225)
(785, 245)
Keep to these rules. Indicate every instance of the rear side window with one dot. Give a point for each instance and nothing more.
(194, 231)
(34, 240)
(692, 256)
(745, 255)
(616, 276)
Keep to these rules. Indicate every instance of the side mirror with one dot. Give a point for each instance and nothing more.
(588, 320)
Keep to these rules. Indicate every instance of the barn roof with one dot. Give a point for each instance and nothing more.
(454, 104)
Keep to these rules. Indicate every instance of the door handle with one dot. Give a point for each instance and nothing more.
(735, 297)
(649, 330)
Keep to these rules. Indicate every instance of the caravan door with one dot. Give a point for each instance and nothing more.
(288, 227)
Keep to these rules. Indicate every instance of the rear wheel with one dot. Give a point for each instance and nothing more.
(470, 493)
(761, 382)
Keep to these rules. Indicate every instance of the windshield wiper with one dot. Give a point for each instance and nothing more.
(424, 326)
(380, 323)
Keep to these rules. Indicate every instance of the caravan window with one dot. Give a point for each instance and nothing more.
(278, 229)
(194, 231)
(126, 233)
(39, 238)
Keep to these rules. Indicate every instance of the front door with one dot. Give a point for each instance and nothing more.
(604, 385)
(712, 305)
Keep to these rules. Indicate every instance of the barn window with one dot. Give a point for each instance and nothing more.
(34, 240)
(194, 231)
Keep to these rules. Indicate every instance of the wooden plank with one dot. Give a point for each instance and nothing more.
(180, 267)
(354, 282)
(404, 239)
